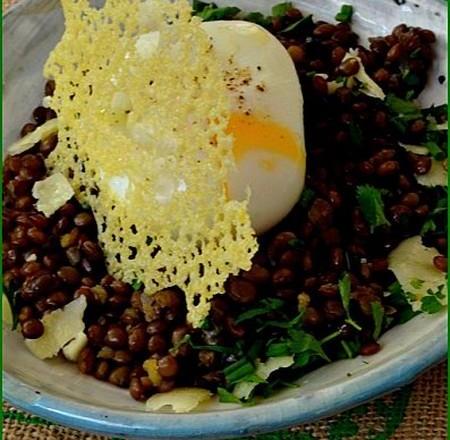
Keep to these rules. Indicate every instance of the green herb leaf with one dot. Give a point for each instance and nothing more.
(345, 14)
(281, 9)
(253, 378)
(378, 315)
(258, 18)
(303, 359)
(399, 301)
(236, 372)
(226, 397)
(216, 348)
(137, 285)
(344, 291)
(302, 342)
(184, 340)
(278, 349)
(356, 134)
(347, 349)
(212, 13)
(403, 107)
(198, 6)
(428, 226)
(307, 197)
(299, 25)
(265, 306)
(296, 243)
(372, 206)
(430, 304)
(435, 150)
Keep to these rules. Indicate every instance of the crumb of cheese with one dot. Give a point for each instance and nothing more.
(143, 112)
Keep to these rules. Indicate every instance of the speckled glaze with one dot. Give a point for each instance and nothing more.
(56, 391)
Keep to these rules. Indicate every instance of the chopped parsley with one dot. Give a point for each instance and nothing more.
(281, 9)
(211, 12)
(372, 206)
(258, 18)
(299, 25)
(378, 316)
(345, 14)
(137, 285)
(344, 291)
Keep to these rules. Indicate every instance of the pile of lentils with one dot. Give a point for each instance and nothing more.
(50, 261)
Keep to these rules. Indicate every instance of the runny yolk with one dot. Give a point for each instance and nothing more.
(255, 133)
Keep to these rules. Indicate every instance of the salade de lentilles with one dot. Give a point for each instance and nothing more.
(319, 277)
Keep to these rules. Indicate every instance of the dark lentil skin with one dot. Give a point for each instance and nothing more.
(49, 262)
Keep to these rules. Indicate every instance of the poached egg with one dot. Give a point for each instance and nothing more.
(266, 119)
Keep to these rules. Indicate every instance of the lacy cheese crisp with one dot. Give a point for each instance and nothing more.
(143, 112)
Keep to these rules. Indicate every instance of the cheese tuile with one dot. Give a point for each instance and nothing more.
(145, 145)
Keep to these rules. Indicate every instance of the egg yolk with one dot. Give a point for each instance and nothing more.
(256, 133)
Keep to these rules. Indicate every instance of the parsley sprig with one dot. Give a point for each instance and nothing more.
(371, 202)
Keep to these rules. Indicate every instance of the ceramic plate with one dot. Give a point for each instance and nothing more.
(56, 391)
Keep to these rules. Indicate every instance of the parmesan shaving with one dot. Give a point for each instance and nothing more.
(72, 350)
(145, 145)
(368, 86)
(51, 193)
(181, 400)
(31, 139)
(412, 264)
(438, 173)
(60, 327)
(263, 370)
(436, 176)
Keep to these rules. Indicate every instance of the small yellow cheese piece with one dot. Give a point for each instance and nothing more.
(31, 139)
(412, 264)
(143, 113)
(60, 327)
(51, 193)
(181, 400)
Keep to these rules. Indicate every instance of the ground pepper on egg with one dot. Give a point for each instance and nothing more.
(296, 282)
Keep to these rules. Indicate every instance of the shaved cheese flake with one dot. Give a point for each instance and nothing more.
(436, 176)
(416, 149)
(31, 139)
(51, 193)
(263, 370)
(369, 86)
(163, 214)
(412, 264)
(438, 173)
(181, 400)
(72, 350)
(60, 327)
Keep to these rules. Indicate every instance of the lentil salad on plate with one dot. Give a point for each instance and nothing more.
(320, 286)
